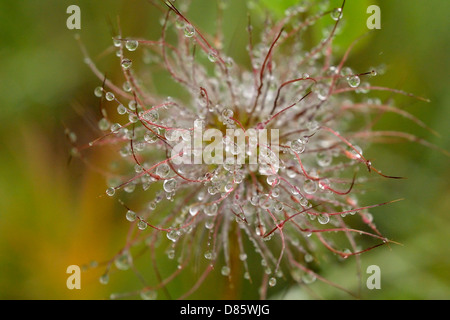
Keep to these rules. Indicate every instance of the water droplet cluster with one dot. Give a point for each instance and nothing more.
(277, 210)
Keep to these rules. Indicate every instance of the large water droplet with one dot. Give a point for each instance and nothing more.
(324, 158)
(180, 23)
(132, 105)
(142, 225)
(309, 258)
(163, 170)
(323, 218)
(227, 113)
(148, 294)
(170, 185)
(209, 255)
(130, 215)
(189, 31)
(131, 45)
(104, 279)
(212, 55)
(133, 117)
(173, 235)
(117, 42)
(229, 62)
(321, 90)
(126, 63)
(308, 278)
(353, 81)
(193, 210)
(150, 137)
(121, 109)
(109, 96)
(115, 127)
(309, 186)
(272, 282)
(110, 191)
(298, 146)
(210, 210)
(336, 14)
(98, 92)
(225, 271)
(122, 262)
(151, 116)
(103, 124)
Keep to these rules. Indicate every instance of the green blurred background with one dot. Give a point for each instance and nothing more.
(54, 212)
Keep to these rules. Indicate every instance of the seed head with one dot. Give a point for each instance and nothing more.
(259, 161)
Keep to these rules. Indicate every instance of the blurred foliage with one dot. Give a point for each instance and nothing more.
(54, 212)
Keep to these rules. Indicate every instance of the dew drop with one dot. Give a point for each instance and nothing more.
(142, 225)
(98, 92)
(209, 225)
(132, 105)
(225, 271)
(122, 262)
(278, 206)
(147, 294)
(336, 14)
(322, 91)
(298, 146)
(353, 81)
(131, 45)
(130, 215)
(276, 192)
(210, 210)
(228, 187)
(170, 185)
(152, 206)
(171, 254)
(151, 116)
(133, 118)
(272, 282)
(126, 63)
(115, 127)
(163, 170)
(324, 184)
(243, 256)
(109, 96)
(121, 109)
(312, 125)
(103, 124)
(227, 113)
(104, 279)
(180, 23)
(193, 210)
(208, 255)
(173, 235)
(324, 159)
(308, 278)
(229, 62)
(150, 137)
(126, 86)
(212, 55)
(189, 31)
(117, 43)
(260, 230)
(273, 180)
(309, 186)
(323, 218)
(110, 191)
